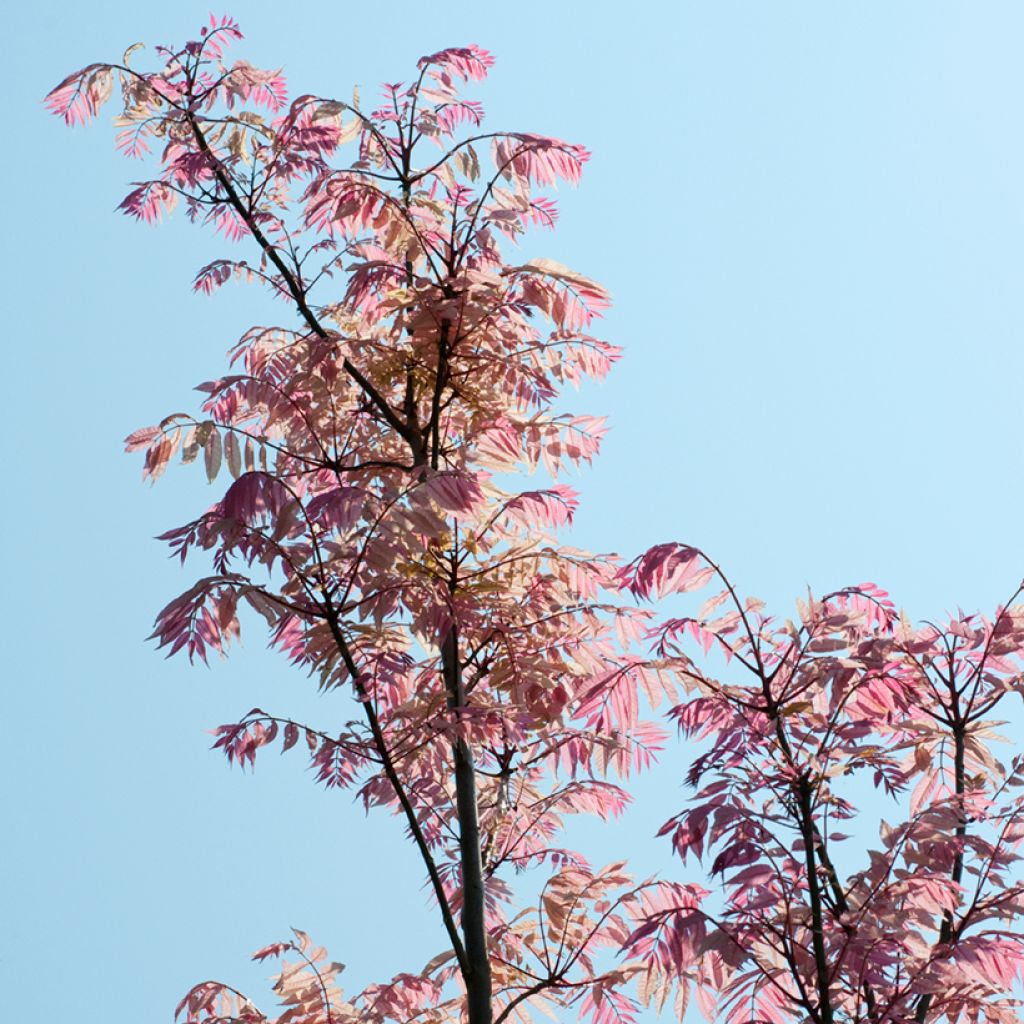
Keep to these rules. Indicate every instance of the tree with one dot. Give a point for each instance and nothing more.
(496, 673)
(364, 520)
(848, 698)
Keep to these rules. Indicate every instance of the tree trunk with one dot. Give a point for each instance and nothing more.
(477, 973)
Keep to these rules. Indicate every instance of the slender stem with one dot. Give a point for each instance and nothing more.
(434, 426)
(815, 851)
(472, 953)
(475, 964)
(292, 283)
(960, 784)
(814, 890)
(403, 798)
(477, 972)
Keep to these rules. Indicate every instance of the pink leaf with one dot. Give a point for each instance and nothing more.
(465, 62)
(455, 492)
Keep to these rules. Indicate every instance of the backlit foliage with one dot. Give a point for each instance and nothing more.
(819, 730)
(357, 453)
(361, 455)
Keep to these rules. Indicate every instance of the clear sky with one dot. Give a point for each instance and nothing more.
(811, 218)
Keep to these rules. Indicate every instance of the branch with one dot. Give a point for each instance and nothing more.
(294, 288)
(403, 798)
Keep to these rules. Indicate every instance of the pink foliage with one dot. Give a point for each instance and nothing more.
(361, 521)
(920, 931)
(470, 63)
(499, 680)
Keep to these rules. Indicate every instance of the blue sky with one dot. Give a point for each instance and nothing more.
(811, 218)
